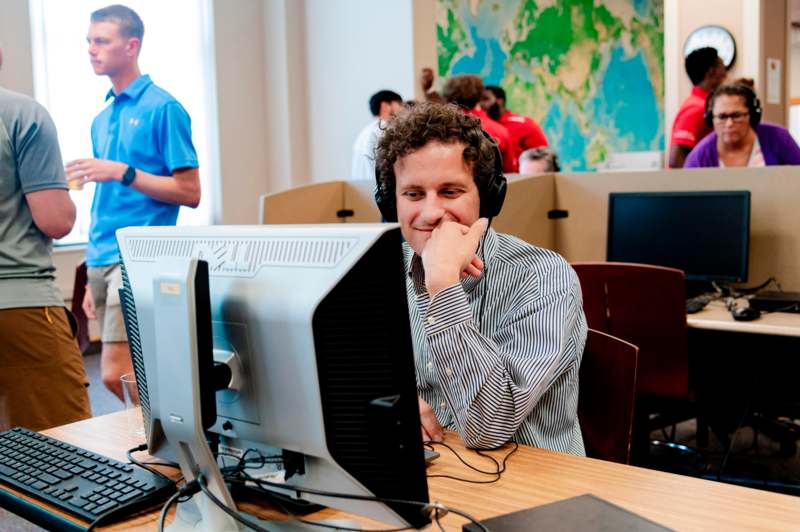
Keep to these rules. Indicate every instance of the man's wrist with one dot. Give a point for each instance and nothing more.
(128, 176)
(437, 283)
(119, 171)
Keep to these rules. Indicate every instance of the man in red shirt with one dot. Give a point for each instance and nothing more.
(707, 72)
(466, 91)
(525, 132)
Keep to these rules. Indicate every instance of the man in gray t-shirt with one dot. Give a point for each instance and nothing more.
(42, 378)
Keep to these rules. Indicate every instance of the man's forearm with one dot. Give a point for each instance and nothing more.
(487, 405)
(168, 189)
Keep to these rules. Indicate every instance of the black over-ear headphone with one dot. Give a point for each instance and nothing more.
(492, 194)
(750, 99)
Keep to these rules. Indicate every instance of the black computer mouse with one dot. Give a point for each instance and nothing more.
(745, 313)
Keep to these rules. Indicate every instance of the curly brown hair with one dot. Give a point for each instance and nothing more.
(414, 127)
(465, 90)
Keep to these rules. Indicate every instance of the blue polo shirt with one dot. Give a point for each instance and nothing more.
(144, 127)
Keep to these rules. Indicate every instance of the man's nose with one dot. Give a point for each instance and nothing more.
(432, 210)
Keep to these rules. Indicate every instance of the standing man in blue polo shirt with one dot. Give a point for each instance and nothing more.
(144, 164)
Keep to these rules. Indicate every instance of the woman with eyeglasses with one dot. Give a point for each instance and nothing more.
(740, 139)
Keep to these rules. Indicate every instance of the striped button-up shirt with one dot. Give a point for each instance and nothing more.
(497, 357)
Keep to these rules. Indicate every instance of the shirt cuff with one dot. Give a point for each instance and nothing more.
(447, 309)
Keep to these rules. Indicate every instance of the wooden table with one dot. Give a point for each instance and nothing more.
(534, 477)
(716, 317)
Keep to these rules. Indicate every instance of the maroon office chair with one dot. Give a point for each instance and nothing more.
(607, 396)
(78, 291)
(646, 306)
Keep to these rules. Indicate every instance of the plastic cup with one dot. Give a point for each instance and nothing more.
(75, 184)
(133, 411)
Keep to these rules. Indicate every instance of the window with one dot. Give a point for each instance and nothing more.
(177, 52)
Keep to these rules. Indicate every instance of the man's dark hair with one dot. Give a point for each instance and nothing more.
(379, 97)
(465, 90)
(542, 152)
(699, 62)
(130, 25)
(498, 92)
(414, 127)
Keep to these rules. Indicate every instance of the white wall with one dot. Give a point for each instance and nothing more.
(757, 27)
(354, 49)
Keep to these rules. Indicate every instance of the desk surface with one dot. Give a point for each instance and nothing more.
(716, 317)
(534, 477)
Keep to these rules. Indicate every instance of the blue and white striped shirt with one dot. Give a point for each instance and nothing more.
(497, 357)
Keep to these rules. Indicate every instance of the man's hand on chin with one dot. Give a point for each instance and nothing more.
(450, 254)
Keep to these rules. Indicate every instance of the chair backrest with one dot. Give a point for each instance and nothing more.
(607, 396)
(78, 290)
(646, 306)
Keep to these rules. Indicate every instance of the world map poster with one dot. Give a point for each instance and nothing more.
(590, 72)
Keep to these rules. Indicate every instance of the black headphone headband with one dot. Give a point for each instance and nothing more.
(750, 100)
(492, 194)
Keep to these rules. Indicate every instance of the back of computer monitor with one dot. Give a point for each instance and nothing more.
(316, 320)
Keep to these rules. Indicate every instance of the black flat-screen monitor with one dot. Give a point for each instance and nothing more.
(705, 234)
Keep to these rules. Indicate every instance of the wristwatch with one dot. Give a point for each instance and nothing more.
(129, 176)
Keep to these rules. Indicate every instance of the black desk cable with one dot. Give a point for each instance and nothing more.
(147, 465)
(238, 475)
(500, 467)
(729, 449)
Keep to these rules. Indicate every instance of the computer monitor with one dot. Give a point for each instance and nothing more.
(315, 318)
(705, 234)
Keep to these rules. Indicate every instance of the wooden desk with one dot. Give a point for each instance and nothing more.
(716, 317)
(534, 477)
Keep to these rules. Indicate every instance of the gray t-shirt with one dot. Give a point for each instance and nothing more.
(30, 160)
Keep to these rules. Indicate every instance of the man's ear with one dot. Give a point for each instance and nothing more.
(134, 46)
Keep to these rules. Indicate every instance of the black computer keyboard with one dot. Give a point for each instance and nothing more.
(77, 481)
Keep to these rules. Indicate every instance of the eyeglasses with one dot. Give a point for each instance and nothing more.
(737, 117)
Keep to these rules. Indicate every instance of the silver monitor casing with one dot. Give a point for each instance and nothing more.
(266, 282)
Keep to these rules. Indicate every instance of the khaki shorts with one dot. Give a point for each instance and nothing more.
(104, 282)
(42, 378)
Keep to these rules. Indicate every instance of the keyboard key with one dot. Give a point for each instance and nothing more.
(86, 464)
(50, 479)
(104, 508)
(79, 503)
(63, 475)
(128, 496)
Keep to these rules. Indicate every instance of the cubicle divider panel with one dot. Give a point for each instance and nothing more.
(359, 197)
(317, 203)
(525, 211)
(774, 223)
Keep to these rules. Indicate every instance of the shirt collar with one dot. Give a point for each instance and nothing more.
(134, 90)
(697, 91)
(416, 273)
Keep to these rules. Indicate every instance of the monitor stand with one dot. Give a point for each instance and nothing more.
(189, 518)
(178, 304)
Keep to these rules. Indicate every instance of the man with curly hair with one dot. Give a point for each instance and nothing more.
(498, 326)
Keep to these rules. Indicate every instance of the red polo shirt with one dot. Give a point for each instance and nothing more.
(525, 132)
(689, 127)
(501, 135)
